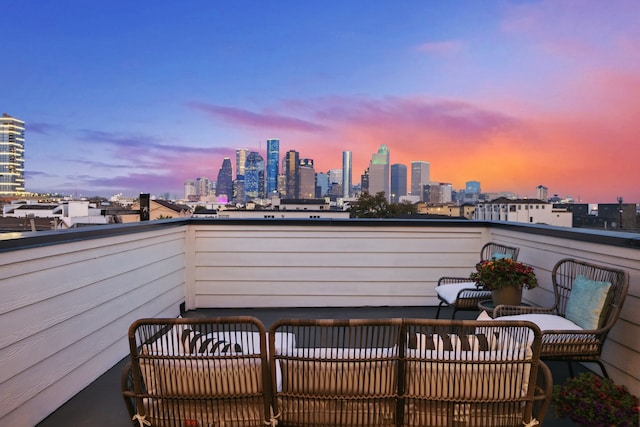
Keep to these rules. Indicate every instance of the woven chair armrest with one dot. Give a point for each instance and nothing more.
(512, 310)
(474, 293)
(559, 335)
(450, 280)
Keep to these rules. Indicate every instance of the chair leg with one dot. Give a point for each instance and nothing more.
(604, 370)
(439, 307)
(453, 315)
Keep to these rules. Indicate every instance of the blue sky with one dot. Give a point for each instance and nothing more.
(130, 97)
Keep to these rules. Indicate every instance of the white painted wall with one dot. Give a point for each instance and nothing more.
(302, 266)
(65, 311)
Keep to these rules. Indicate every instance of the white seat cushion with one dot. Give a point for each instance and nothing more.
(546, 322)
(450, 291)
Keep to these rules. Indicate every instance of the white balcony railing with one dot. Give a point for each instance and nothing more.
(69, 297)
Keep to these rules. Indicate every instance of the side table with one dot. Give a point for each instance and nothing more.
(488, 306)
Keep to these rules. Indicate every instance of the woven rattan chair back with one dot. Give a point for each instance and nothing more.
(204, 371)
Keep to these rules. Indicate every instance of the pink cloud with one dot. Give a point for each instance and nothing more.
(247, 118)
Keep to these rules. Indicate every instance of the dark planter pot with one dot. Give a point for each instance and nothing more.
(509, 295)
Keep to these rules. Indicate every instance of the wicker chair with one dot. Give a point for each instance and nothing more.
(340, 373)
(382, 372)
(570, 342)
(464, 295)
(461, 373)
(206, 371)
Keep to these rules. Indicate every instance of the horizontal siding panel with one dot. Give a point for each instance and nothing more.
(27, 384)
(79, 251)
(337, 259)
(92, 267)
(41, 315)
(346, 243)
(56, 336)
(624, 359)
(317, 273)
(321, 288)
(621, 333)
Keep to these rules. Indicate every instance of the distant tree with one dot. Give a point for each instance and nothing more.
(200, 208)
(404, 208)
(97, 200)
(368, 206)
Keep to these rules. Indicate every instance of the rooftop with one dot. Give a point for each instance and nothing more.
(69, 296)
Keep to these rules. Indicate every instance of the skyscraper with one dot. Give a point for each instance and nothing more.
(189, 188)
(241, 158)
(398, 182)
(379, 172)
(471, 192)
(322, 182)
(292, 178)
(419, 178)
(347, 184)
(202, 186)
(273, 170)
(307, 179)
(11, 156)
(254, 176)
(542, 193)
(224, 184)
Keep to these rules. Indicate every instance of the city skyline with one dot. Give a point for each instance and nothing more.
(513, 94)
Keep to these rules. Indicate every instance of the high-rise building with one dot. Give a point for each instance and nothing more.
(379, 172)
(364, 181)
(238, 190)
(202, 186)
(437, 192)
(11, 156)
(273, 162)
(335, 176)
(472, 187)
(254, 176)
(241, 158)
(189, 188)
(347, 173)
(322, 182)
(306, 179)
(542, 193)
(291, 165)
(471, 192)
(398, 182)
(224, 185)
(419, 177)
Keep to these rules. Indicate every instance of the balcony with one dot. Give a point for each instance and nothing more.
(69, 296)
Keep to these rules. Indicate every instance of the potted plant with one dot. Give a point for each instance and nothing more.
(506, 278)
(590, 400)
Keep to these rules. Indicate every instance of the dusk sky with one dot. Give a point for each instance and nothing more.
(137, 96)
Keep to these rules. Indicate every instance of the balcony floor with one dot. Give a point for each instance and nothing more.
(100, 404)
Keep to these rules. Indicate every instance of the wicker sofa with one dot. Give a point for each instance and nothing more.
(378, 372)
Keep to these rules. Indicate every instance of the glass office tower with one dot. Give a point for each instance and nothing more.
(398, 182)
(254, 176)
(273, 169)
(347, 185)
(224, 185)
